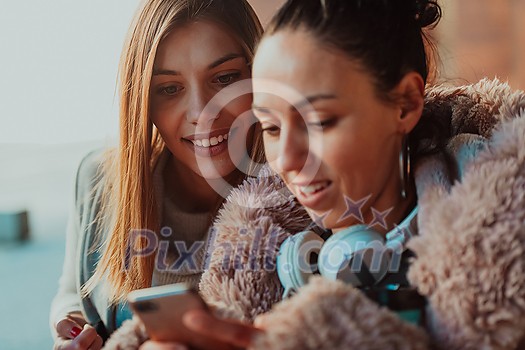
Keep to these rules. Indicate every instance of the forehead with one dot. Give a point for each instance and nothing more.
(196, 43)
(298, 60)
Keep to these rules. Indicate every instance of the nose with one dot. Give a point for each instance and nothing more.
(198, 110)
(293, 150)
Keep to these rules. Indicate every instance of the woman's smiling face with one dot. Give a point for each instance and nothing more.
(193, 63)
(344, 146)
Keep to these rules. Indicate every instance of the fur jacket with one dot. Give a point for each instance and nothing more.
(470, 248)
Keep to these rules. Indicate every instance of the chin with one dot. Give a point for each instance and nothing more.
(216, 172)
(330, 219)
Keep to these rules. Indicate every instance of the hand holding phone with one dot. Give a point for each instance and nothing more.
(177, 314)
(161, 310)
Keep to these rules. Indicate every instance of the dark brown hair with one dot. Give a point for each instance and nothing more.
(386, 37)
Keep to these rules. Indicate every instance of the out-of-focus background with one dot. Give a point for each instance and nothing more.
(58, 68)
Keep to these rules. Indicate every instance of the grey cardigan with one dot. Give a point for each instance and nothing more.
(83, 253)
(80, 261)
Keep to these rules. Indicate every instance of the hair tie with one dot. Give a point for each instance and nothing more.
(427, 13)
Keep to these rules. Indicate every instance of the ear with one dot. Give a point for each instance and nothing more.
(410, 90)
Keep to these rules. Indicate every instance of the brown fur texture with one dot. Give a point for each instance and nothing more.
(332, 315)
(471, 262)
(259, 216)
(470, 249)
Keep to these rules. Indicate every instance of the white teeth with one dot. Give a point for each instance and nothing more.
(214, 141)
(313, 188)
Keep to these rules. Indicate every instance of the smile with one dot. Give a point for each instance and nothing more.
(313, 188)
(313, 195)
(210, 144)
(213, 141)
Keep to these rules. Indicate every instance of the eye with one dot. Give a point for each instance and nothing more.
(324, 124)
(270, 129)
(227, 79)
(170, 90)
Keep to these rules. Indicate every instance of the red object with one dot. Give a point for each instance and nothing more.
(75, 331)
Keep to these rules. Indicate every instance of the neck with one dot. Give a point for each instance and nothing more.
(189, 191)
(400, 210)
(403, 209)
(387, 210)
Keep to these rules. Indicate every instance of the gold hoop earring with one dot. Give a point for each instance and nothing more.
(404, 166)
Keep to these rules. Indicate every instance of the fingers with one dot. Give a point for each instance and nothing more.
(88, 339)
(67, 328)
(97, 343)
(153, 345)
(260, 321)
(229, 332)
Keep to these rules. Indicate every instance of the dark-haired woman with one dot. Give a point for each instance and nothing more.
(437, 175)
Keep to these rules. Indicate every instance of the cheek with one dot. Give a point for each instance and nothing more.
(239, 106)
(168, 124)
(271, 151)
(349, 158)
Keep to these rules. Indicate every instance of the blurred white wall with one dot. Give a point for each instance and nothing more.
(58, 69)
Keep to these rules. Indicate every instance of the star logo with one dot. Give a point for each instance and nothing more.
(319, 219)
(354, 209)
(379, 217)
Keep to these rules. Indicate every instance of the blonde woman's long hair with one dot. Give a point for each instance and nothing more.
(128, 194)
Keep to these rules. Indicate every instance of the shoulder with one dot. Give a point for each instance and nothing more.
(90, 168)
(475, 108)
(91, 172)
(486, 122)
(474, 230)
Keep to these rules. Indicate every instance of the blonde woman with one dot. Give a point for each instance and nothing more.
(142, 211)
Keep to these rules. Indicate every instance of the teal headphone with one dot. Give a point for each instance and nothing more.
(357, 255)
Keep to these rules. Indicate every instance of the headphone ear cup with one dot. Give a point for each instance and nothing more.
(297, 260)
(356, 255)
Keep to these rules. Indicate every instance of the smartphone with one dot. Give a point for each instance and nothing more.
(161, 310)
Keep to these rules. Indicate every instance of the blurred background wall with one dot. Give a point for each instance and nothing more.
(476, 39)
(58, 68)
(483, 38)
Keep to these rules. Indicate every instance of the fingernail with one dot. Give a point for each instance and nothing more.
(75, 331)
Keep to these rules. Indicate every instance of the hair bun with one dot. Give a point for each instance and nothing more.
(428, 12)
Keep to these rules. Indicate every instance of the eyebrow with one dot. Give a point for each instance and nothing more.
(311, 100)
(225, 59)
(214, 64)
(300, 104)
